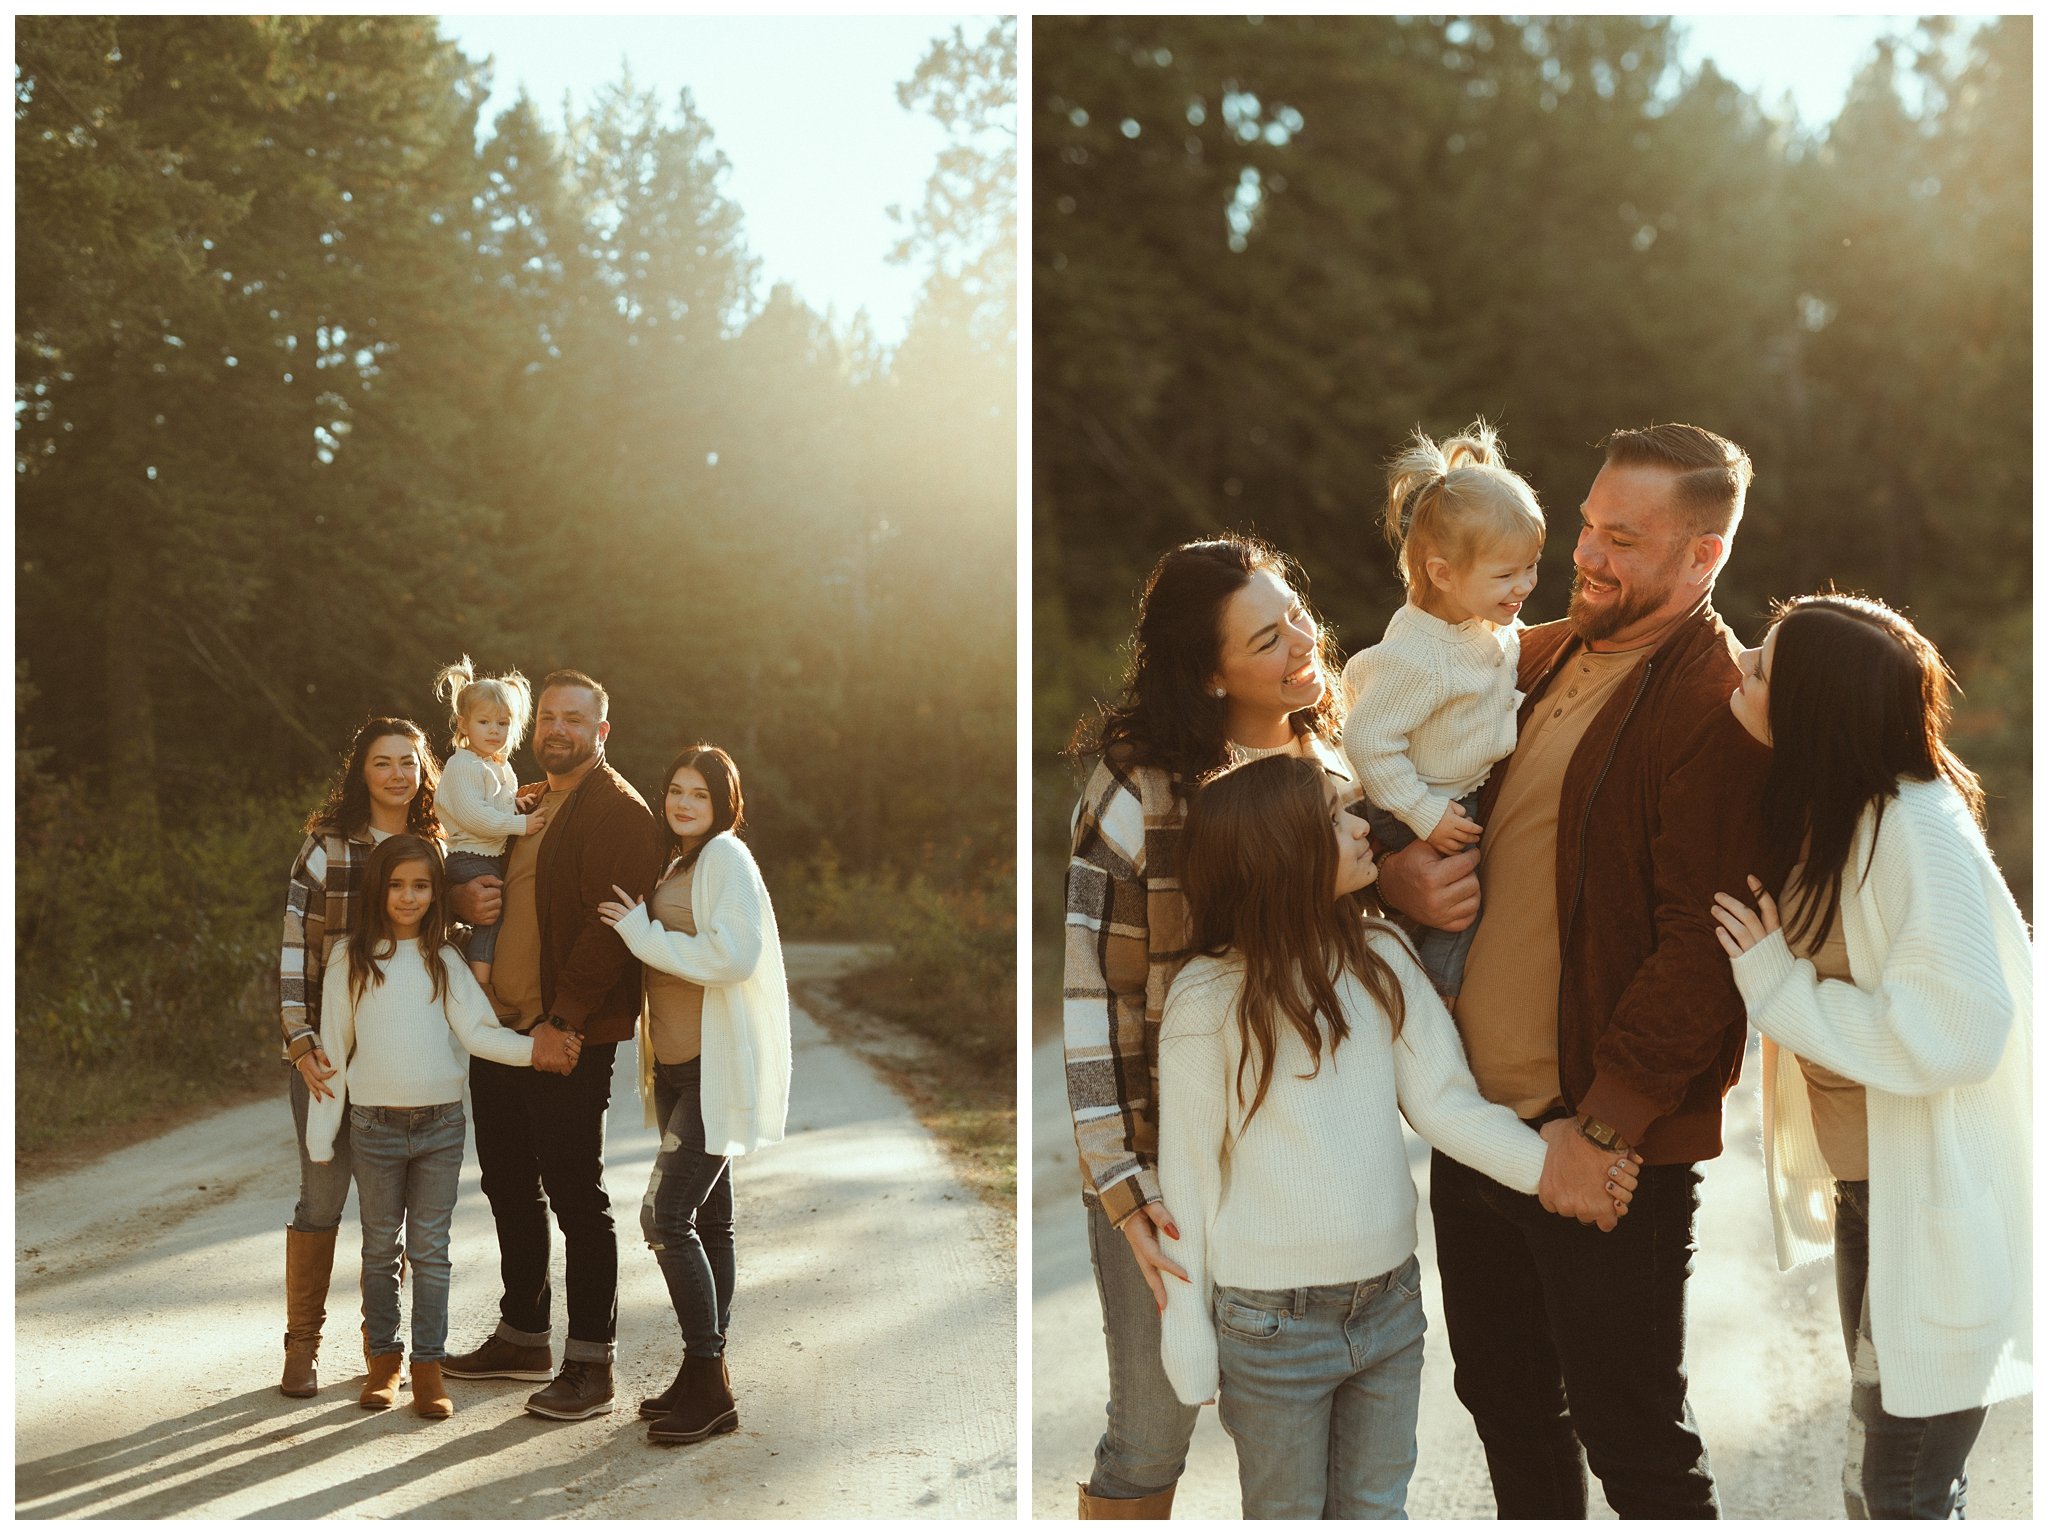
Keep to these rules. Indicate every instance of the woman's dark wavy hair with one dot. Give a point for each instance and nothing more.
(370, 938)
(348, 798)
(1859, 699)
(1167, 717)
(1258, 863)
(728, 805)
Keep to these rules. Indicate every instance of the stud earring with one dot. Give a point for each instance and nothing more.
(1219, 692)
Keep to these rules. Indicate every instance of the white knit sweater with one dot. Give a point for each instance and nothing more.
(1429, 710)
(1316, 1190)
(1938, 1028)
(736, 956)
(474, 801)
(398, 1047)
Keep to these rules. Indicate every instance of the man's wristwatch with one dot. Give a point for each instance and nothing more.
(1606, 1137)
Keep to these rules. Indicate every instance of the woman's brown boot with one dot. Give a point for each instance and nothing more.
(308, 1264)
(429, 1396)
(380, 1387)
(1154, 1505)
(703, 1407)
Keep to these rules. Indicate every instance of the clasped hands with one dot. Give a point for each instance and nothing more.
(1581, 1180)
(555, 1050)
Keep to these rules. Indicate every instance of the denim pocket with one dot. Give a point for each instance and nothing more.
(1241, 1319)
(359, 1118)
(1407, 1280)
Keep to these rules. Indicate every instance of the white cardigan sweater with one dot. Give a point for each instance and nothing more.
(474, 799)
(1429, 710)
(1938, 1028)
(736, 956)
(1316, 1190)
(398, 1047)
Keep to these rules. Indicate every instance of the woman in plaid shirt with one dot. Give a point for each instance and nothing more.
(1228, 663)
(386, 787)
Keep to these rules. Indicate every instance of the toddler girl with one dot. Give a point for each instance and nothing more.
(398, 1023)
(476, 798)
(1431, 708)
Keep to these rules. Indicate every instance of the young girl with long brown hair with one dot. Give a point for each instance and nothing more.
(400, 1016)
(1293, 1044)
(1895, 998)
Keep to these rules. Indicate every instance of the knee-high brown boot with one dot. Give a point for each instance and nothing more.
(308, 1264)
(1154, 1505)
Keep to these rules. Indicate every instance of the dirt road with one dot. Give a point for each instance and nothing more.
(873, 1338)
(1769, 1380)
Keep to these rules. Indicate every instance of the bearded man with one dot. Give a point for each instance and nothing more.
(1596, 990)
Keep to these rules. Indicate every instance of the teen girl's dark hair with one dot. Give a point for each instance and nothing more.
(1258, 865)
(369, 925)
(1859, 699)
(348, 798)
(1167, 717)
(728, 806)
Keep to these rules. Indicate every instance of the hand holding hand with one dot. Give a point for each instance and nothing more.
(478, 901)
(1742, 929)
(1455, 832)
(1142, 1232)
(1436, 891)
(612, 913)
(316, 1069)
(1580, 1180)
(556, 1050)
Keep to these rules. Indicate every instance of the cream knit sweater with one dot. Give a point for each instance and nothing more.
(474, 800)
(1429, 710)
(398, 1047)
(1316, 1190)
(1938, 1027)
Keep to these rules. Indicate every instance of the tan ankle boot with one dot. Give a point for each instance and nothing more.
(1154, 1505)
(429, 1396)
(380, 1387)
(308, 1264)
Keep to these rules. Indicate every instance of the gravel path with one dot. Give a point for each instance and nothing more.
(149, 1305)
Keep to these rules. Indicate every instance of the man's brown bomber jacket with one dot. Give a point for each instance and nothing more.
(603, 835)
(1661, 807)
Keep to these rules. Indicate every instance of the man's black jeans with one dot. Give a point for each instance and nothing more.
(1564, 1335)
(540, 1141)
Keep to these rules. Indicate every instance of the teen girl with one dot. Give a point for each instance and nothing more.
(1294, 1043)
(1895, 999)
(1432, 705)
(1228, 664)
(714, 1067)
(477, 797)
(399, 1022)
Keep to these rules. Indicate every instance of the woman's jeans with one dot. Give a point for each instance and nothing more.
(1321, 1387)
(323, 1186)
(408, 1165)
(687, 1214)
(1896, 1468)
(1442, 954)
(1144, 1446)
(462, 868)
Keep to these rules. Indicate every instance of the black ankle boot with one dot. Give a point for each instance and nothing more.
(703, 1406)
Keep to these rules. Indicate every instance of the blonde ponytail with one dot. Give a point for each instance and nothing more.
(1454, 500)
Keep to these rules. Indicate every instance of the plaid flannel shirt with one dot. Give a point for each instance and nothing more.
(316, 905)
(1126, 939)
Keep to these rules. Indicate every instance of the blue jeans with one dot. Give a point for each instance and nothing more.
(323, 1186)
(686, 1215)
(462, 868)
(1145, 1445)
(408, 1166)
(1896, 1468)
(1321, 1387)
(1442, 954)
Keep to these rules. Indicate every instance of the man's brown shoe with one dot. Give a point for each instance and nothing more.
(582, 1390)
(499, 1359)
(380, 1386)
(429, 1396)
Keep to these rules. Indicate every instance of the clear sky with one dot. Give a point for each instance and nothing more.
(804, 108)
(1813, 57)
